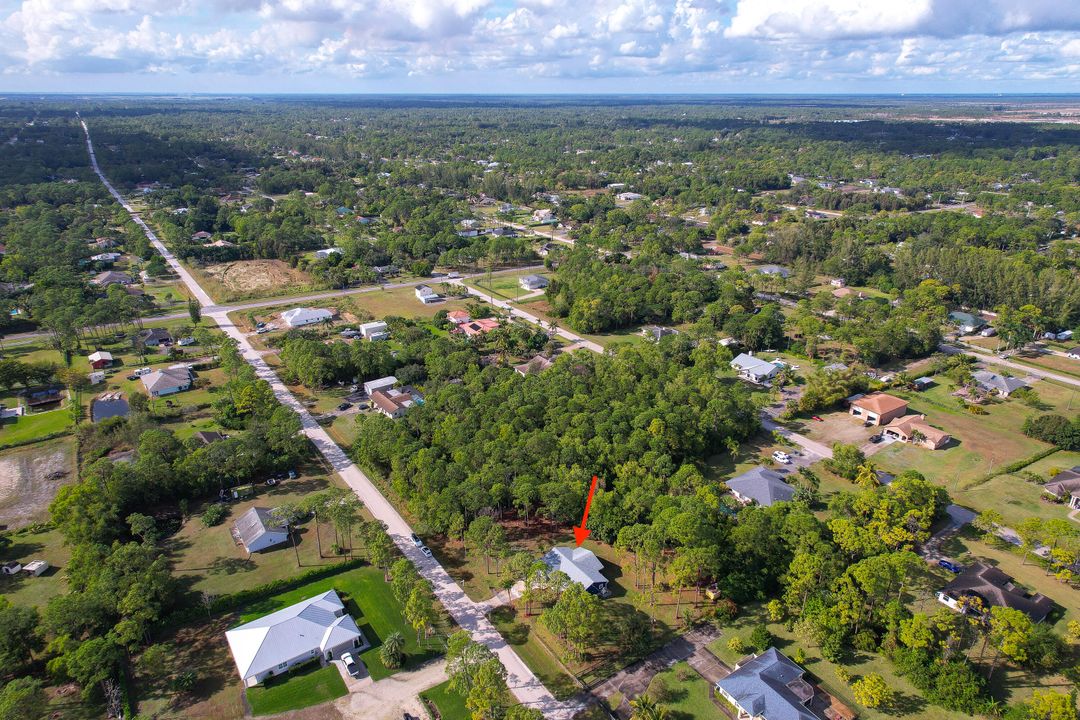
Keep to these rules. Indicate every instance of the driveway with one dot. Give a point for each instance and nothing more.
(387, 699)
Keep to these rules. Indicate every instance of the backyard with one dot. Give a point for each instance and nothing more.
(303, 687)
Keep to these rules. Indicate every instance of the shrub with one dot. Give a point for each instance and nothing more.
(843, 675)
(214, 514)
(735, 644)
(659, 690)
(761, 638)
(865, 641)
(799, 657)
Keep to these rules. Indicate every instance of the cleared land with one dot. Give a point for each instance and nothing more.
(29, 479)
(249, 279)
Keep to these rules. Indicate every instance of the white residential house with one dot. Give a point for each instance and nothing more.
(381, 384)
(106, 257)
(374, 331)
(327, 252)
(299, 317)
(533, 282)
(754, 369)
(167, 381)
(1073, 353)
(97, 377)
(426, 295)
(318, 628)
(629, 196)
(581, 565)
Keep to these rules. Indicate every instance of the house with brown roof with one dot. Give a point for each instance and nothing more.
(393, 403)
(532, 366)
(878, 408)
(981, 587)
(915, 430)
(477, 327)
(458, 316)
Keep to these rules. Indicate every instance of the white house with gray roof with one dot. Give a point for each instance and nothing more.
(754, 369)
(770, 687)
(581, 565)
(167, 381)
(760, 485)
(318, 628)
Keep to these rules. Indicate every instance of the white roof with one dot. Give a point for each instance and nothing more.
(305, 315)
(424, 290)
(165, 379)
(318, 622)
(377, 325)
(753, 365)
(580, 564)
(372, 385)
(99, 355)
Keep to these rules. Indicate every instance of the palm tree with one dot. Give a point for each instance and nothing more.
(645, 708)
(392, 650)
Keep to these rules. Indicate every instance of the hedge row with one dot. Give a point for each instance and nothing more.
(32, 441)
(1014, 467)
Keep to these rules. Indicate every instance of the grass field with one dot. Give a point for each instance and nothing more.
(372, 604)
(35, 425)
(451, 705)
(22, 589)
(519, 632)
(685, 693)
(311, 685)
(208, 559)
(980, 442)
(505, 286)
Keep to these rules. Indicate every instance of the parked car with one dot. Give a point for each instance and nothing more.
(815, 417)
(260, 324)
(143, 371)
(781, 457)
(417, 541)
(876, 438)
(132, 377)
(344, 406)
(425, 550)
(950, 566)
(262, 331)
(349, 661)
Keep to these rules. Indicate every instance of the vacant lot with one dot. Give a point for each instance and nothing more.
(505, 286)
(210, 560)
(540, 308)
(246, 279)
(29, 479)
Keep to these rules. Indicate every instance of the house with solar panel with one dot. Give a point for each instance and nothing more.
(581, 566)
(318, 628)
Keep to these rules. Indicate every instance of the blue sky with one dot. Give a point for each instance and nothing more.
(481, 46)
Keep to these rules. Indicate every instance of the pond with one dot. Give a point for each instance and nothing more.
(101, 409)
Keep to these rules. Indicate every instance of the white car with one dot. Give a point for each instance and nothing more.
(426, 550)
(781, 457)
(349, 661)
(142, 371)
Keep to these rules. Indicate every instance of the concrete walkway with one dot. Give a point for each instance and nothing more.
(525, 686)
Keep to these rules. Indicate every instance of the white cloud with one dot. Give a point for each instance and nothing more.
(739, 44)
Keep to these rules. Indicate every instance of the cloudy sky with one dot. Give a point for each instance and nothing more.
(540, 45)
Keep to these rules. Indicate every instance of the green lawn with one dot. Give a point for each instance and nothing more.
(311, 685)
(521, 636)
(685, 693)
(451, 706)
(35, 425)
(504, 286)
(22, 589)
(372, 604)
(980, 443)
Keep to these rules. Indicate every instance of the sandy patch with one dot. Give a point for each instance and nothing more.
(257, 275)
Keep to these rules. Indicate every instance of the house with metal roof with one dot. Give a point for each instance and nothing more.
(754, 369)
(426, 295)
(318, 628)
(580, 565)
(299, 317)
(769, 686)
(167, 381)
(966, 322)
(257, 531)
(760, 485)
(533, 282)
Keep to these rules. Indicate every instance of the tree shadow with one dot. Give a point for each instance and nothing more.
(230, 566)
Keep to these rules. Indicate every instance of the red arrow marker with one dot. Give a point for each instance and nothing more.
(580, 533)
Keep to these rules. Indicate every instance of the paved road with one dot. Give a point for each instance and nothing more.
(469, 615)
(994, 360)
